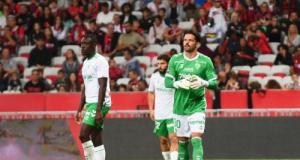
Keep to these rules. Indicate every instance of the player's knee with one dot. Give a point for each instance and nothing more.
(164, 141)
(198, 134)
(174, 140)
(83, 137)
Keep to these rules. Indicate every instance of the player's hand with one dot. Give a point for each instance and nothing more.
(151, 114)
(183, 83)
(78, 117)
(99, 117)
(198, 82)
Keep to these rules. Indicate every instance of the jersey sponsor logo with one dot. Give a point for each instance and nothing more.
(188, 69)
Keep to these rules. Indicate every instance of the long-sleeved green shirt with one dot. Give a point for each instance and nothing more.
(190, 101)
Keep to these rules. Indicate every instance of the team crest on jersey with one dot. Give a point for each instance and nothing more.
(197, 66)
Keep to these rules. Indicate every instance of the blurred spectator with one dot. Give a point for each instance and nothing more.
(272, 84)
(293, 38)
(162, 13)
(264, 12)
(17, 31)
(212, 32)
(156, 31)
(130, 63)
(296, 60)
(255, 85)
(217, 13)
(75, 8)
(61, 79)
(40, 55)
(175, 11)
(37, 31)
(208, 5)
(50, 42)
(3, 16)
(105, 16)
(274, 30)
(77, 32)
(283, 56)
(142, 85)
(244, 55)
(222, 80)
(47, 19)
(295, 82)
(134, 80)
(173, 33)
(249, 11)
(201, 21)
(9, 64)
(115, 71)
(72, 83)
(71, 64)
(294, 18)
(59, 31)
(94, 30)
(191, 12)
(146, 21)
(3, 80)
(232, 83)
(261, 44)
(127, 13)
(155, 5)
(118, 26)
(14, 83)
(47, 82)
(113, 85)
(131, 40)
(122, 88)
(61, 88)
(205, 50)
(235, 27)
(35, 84)
(109, 41)
(8, 40)
(25, 18)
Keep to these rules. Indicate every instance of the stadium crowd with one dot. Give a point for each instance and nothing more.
(246, 39)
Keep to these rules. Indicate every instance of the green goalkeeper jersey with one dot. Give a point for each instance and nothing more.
(190, 101)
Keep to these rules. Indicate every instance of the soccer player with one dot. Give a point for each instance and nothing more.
(190, 73)
(95, 97)
(160, 101)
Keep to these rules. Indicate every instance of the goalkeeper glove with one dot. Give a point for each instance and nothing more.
(198, 82)
(183, 83)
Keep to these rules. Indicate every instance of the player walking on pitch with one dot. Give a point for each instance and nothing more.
(189, 73)
(160, 101)
(95, 97)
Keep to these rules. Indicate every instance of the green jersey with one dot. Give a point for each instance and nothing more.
(190, 101)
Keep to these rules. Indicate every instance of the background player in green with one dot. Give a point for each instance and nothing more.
(189, 73)
(161, 101)
(95, 97)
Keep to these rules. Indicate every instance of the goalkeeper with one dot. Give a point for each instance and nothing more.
(190, 73)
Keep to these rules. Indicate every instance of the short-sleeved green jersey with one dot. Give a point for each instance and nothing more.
(190, 101)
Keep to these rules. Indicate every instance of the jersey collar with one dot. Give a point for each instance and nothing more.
(189, 59)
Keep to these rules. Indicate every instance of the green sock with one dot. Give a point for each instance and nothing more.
(197, 148)
(183, 152)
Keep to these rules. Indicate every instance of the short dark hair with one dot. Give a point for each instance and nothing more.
(164, 57)
(196, 35)
(283, 46)
(105, 4)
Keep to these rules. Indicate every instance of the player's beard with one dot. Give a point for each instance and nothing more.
(188, 48)
(162, 71)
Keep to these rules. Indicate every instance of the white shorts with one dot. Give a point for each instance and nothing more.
(185, 125)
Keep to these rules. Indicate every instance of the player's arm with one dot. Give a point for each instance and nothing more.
(170, 75)
(209, 81)
(151, 98)
(81, 105)
(102, 75)
(211, 76)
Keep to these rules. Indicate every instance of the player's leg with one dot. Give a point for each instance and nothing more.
(99, 150)
(161, 131)
(197, 125)
(172, 139)
(164, 147)
(87, 144)
(183, 133)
